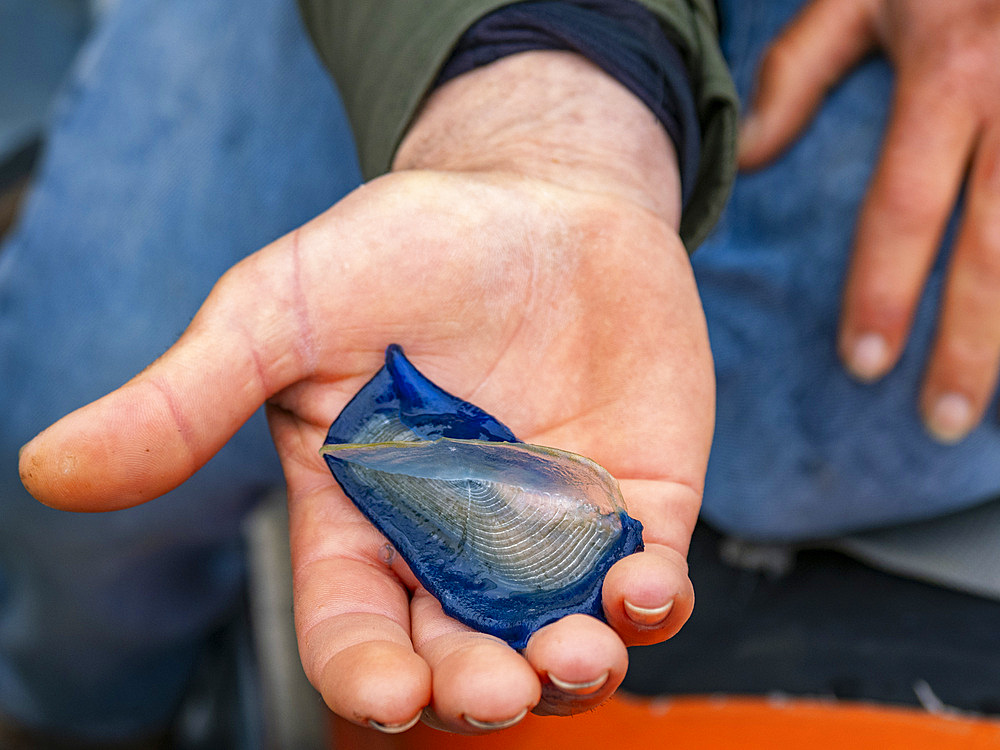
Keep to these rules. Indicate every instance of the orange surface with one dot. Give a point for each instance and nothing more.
(707, 724)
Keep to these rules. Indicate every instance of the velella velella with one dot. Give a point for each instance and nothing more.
(508, 536)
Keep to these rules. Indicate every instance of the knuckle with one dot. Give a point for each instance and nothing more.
(964, 58)
(964, 69)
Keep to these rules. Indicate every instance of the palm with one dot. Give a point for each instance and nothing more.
(572, 335)
(571, 317)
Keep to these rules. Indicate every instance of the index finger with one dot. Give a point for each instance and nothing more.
(912, 194)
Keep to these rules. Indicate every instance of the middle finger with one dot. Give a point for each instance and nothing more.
(480, 684)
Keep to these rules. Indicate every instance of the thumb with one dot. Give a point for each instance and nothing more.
(150, 435)
(810, 55)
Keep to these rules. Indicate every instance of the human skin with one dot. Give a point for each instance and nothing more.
(524, 251)
(944, 132)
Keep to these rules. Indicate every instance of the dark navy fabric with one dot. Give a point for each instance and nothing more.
(619, 36)
(825, 627)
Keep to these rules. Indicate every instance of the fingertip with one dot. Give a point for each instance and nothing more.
(808, 57)
(750, 141)
(648, 596)
(555, 651)
(396, 728)
(866, 356)
(648, 616)
(480, 684)
(776, 115)
(28, 468)
(580, 660)
(380, 684)
(104, 456)
(494, 726)
(949, 417)
(58, 472)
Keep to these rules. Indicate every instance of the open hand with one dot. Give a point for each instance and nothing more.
(563, 305)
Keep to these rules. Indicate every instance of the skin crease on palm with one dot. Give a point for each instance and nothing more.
(526, 257)
(944, 131)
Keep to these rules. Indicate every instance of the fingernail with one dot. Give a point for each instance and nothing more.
(395, 728)
(494, 725)
(869, 357)
(950, 418)
(647, 616)
(580, 688)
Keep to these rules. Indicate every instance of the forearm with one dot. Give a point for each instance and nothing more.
(552, 116)
(385, 57)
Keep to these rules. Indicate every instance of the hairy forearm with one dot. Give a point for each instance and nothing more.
(552, 116)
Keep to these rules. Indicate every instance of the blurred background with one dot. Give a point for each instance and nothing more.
(38, 41)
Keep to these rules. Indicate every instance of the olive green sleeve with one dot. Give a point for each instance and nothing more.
(385, 55)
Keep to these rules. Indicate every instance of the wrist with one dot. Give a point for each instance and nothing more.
(552, 116)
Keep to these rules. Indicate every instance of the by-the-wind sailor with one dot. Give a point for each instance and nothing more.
(508, 536)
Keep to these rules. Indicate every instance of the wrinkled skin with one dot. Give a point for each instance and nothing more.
(539, 277)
